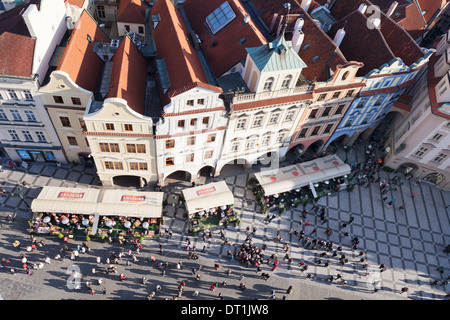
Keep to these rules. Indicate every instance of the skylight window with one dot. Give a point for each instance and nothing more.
(220, 17)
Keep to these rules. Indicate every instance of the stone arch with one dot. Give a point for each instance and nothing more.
(129, 181)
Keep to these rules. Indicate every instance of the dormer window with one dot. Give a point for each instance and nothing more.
(268, 84)
(286, 82)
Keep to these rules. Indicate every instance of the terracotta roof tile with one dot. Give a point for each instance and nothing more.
(132, 11)
(223, 49)
(128, 77)
(79, 60)
(16, 44)
(372, 46)
(321, 52)
(172, 43)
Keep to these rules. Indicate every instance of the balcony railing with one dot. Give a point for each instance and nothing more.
(247, 97)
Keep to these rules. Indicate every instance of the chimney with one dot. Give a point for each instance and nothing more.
(246, 18)
(392, 8)
(299, 24)
(305, 5)
(297, 40)
(339, 37)
(362, 8)
(274, 19)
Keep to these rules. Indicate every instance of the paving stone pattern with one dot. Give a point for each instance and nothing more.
(409, 242)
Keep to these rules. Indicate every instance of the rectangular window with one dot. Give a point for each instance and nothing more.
(208, 154)
(127, 27)
(315, 130)
(349, 93)
(141, 29)
(140, 148)
(14, 135)
(30, 116)
(322, 97)
(336, 95)
(289, 116)
(16, 115)
(421, 152)
(250, 144)
(193, 122)
(72, 141)
(257, 122)
(101, 12)
(28, 95)
(326, 112)
(274, 118)
(128, 127)
(114, 147)
(109, 126)
(27, 136)
(190, 157)
(141, 166)
(205, 120)
(76, 101)
(235, 147)
(40, 136)
(12, 95)
(313, 114)
(65, 122)
(180, 123)
(241, 124)
(170, 144)
(201, 101)
(440, 158)
(437, 137)
(58, 99)
(3, 115)
(339, 109)
(328, 128)
(133, 148)
(211, 138)
(281, 137)
(190, 103)
(113, 165)
(303, 133)
(104, 147)
(265, 140)
(190, 141)
(169, 162)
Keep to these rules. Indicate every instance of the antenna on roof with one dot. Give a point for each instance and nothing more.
(287, 6)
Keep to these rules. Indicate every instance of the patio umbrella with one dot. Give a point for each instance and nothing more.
(85, 222)
(46, 219)
(65, 221)
(127, 224)
(145, 225)
(109, 223)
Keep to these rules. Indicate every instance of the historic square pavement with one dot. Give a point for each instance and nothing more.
(409, 242)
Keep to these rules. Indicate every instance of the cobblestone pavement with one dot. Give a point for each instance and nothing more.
(409, 242)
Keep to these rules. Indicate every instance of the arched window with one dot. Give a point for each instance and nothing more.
(345, 76)
(268, 84)
(286, 82)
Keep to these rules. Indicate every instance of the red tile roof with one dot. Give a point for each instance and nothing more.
(172, 43)
(128, 77)
(16, 44)
(228, 50)
(79, 60)
(78, 3)
(320, 44)
(132, 11)
(372, 46)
